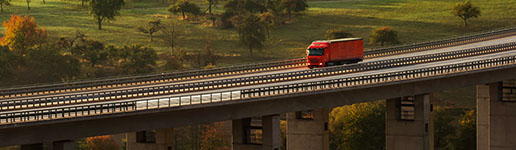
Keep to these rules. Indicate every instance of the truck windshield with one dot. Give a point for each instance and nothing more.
(315, 51)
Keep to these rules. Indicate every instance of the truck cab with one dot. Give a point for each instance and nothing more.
(315, 54)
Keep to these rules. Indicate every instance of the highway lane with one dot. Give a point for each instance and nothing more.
(397, 69)
(357, 74)
(440, 50)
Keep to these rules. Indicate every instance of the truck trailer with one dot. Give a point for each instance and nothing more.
(335, 52)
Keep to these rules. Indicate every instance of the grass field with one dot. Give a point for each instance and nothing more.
(415, 20)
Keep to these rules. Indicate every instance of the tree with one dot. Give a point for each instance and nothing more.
(22, 33)
(337, 34)
(466, 139)
(211, 3)
(269, 20)
(466, 11)
(359, 126)
(171, 33)
(251, 32)
(444, 131)
(4, 3)
(212, 137)
(293, 6)
(384, 34)
(183, 6)
(137, 59)
(208, 53)
(151, 28)
(105, 9)
(28, 2)
(82, 3)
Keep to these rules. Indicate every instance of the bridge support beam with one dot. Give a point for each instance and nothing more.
(246, 133)
(408, 125)
(307, 130)
(496, 116)
(160, 139)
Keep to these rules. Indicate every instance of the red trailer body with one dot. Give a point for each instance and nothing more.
(335, 52)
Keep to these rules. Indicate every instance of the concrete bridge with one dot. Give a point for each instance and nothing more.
(404, 77)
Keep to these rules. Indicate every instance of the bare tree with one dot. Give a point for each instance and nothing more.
(171, 33)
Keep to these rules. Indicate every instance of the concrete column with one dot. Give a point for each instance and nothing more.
(270, 139)
(409, 134)
(38, 146)
(308, 130)
(64, 145)
(496, 119)
(164, 140)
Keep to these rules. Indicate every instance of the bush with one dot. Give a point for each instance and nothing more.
(384, 35)
(337, 34)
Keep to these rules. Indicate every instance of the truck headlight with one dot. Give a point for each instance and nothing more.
(320, 63)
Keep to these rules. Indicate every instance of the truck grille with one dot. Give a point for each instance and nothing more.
(313, 60)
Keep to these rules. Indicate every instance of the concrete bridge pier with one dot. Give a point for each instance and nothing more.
(308, 130)
(257, 133)
(496, 116)
(408, 123)
(160, 139)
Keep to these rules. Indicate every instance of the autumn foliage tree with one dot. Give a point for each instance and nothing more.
(22, 33)
(102, 143)
(212, 138)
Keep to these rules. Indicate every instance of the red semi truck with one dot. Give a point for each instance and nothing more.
(335, 52)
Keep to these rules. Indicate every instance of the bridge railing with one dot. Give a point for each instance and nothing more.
(245, 81)
(67, 112)
(148, 79)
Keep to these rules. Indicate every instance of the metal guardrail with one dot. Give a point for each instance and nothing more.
(440, 43)
(153, 78)
(246, 94)
(245, 81)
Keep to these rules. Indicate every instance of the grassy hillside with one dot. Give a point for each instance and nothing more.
(415, 20)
